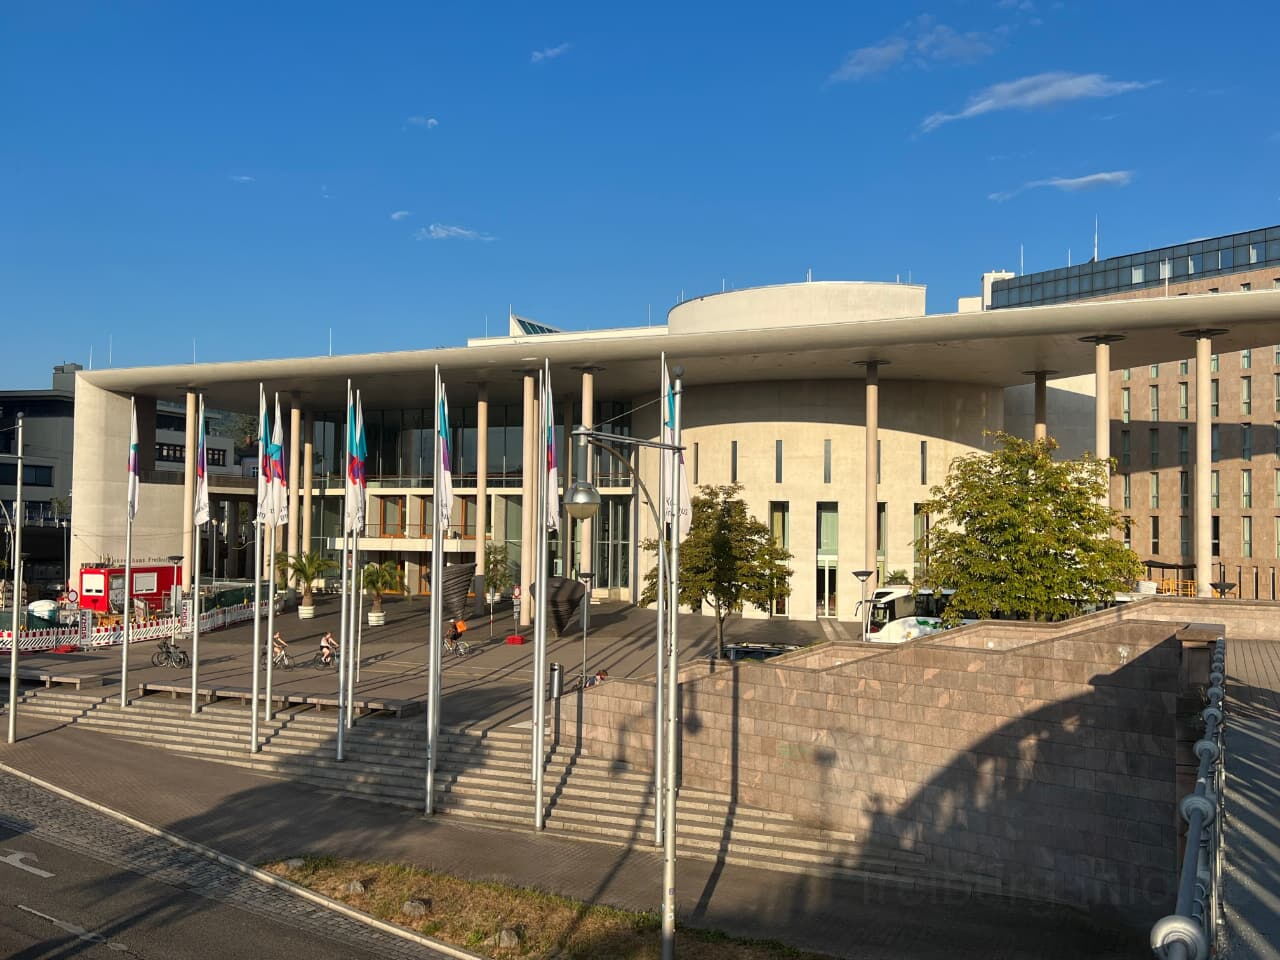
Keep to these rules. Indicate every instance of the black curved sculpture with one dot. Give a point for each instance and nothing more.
(564, 599)
(455, 584)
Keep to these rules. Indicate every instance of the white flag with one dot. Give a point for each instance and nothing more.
(674, 473)
(264, 462)
(134, 477)
(279, 487)
(549, 442)
(202, 473)
(444, 483)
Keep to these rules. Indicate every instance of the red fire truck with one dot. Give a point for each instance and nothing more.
(102, 588)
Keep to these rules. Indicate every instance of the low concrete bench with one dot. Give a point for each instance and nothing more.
(399, 708)
(49, 677)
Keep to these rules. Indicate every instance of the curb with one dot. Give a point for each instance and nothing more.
(262, 876)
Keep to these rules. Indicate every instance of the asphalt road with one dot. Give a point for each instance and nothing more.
(75, 883)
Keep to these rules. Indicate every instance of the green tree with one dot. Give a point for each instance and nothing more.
(306, 568)
(380, 578)
(497, 568)
(728, 559)
(1019, 533)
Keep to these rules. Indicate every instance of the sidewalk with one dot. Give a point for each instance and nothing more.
(258, 819)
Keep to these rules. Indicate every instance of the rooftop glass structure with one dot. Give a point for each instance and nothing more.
(1200, 259)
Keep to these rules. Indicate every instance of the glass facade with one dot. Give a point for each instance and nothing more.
(1218, 256)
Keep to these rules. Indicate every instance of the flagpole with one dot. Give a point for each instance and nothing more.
(360, 632)
(342, 623)
(128, 560)
(540, 627)
(660, 626)
(268, 713)
(673, 661)
(195, 583)
(357, 592)
(435, 632)
(257, 572)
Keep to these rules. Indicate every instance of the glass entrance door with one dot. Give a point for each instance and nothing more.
(826, 580)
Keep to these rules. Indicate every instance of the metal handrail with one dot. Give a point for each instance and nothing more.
(1190, 932)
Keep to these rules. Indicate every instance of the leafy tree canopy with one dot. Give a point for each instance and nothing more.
(727, 560)
(1021, 534)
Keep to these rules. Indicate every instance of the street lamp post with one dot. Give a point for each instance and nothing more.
(581, 492)
(17, 591)
(863, 576)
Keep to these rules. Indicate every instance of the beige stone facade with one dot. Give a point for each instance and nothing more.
(1153, 441)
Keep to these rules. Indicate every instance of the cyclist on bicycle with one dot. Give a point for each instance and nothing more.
(279, 645)
(328, 647)
(452, 640)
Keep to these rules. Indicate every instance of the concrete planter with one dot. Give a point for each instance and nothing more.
(377, 618)
(307, 612)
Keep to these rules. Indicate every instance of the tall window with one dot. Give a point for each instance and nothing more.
(1246, 441)
(920, 521)
(780, 527)
(777, 461)
(1128, 533)
(1246, 394)
(924, 462)
(1213, 398)
(879, 459)
(1126, 490)
(1184, 490)
(1215, 445)
(1124, 404)
(1184, 535)
(1276, 486)
(826, 461)
(1184, 407)
(1213, 363)
(1246, 489)
(1153, 393)
(1154, 371)
(1246, 536)
(1276, 385)
(1213, 489)
(1216, 546)
(1153, 444)
(1154, 477)
(1246, 356)
(1184, 446)
(733, 461)
(1184, 367)
(694, 471)
(1126, 374)
(1126, 445)
(1155, 536)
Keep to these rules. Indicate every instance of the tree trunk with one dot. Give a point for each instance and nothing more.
(377, 603)
(719, 632)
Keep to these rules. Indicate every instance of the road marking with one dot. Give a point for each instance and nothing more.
(75, 929)
(15, 860)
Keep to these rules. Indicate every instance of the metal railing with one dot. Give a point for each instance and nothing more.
(1191, 931)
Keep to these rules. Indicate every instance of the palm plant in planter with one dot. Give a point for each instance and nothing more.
(306, 568)
(380, 578)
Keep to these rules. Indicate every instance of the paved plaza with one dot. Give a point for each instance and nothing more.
(490, 687)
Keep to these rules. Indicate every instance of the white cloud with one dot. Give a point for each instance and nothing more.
(243, 179)
(420, 120)
(922, 41)
(1026, 6)
(401, 214)
(1108, 178)
(548, 53)
(1040, 90)
(445, 231)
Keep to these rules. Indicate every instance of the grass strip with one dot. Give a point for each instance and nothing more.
(475, 914)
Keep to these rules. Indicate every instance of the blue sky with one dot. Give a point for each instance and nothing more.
(252, 174)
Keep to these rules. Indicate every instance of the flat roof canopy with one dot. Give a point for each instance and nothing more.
(994, 347)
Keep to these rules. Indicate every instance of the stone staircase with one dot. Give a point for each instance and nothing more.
(484, 776)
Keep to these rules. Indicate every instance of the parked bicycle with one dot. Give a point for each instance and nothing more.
(170, 655)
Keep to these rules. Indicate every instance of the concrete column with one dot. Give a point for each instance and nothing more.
(567, 561)
(1102, 393)
(1042, 391)
(308, 478)
(1203, 507)
(189, 490)
(527, 491)
(587, 527)
(482, 488)
(295, 438)
(871, 484)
